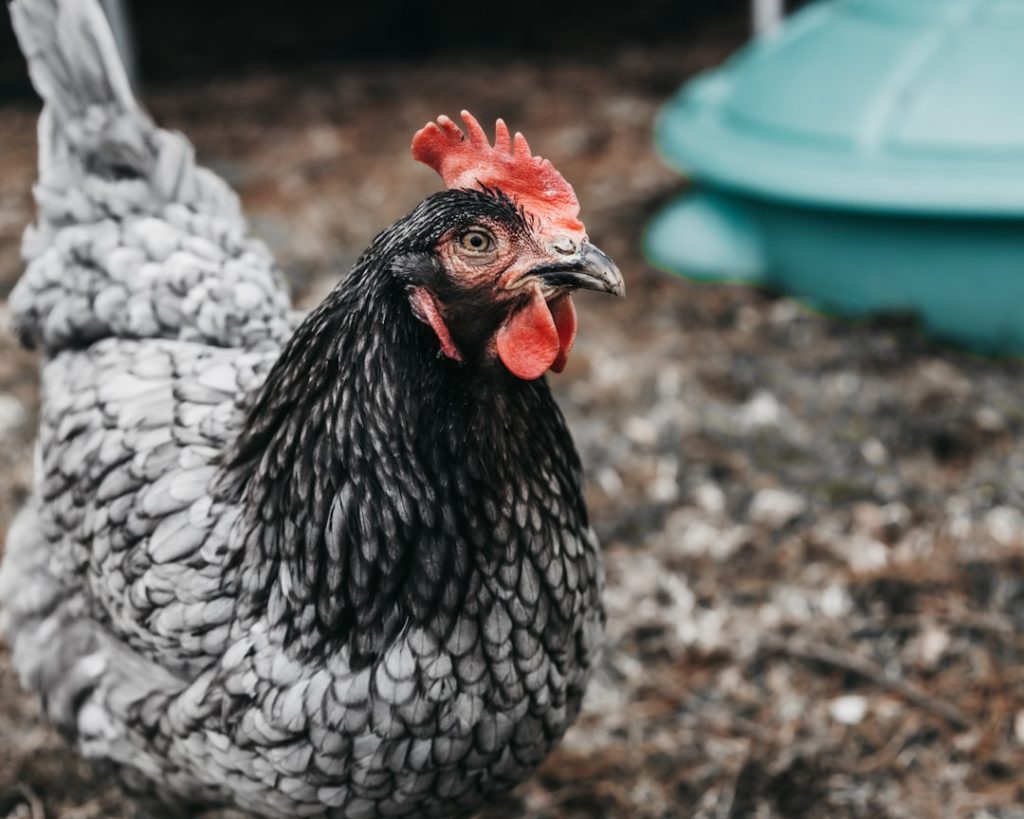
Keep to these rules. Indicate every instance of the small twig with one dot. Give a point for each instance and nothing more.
(819, 652)
(615, 792)
(991, 622)
(954, 619)
(35, 804)
(88, 810)
(888, 753)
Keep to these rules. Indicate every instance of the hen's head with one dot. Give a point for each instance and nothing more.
(489, 264)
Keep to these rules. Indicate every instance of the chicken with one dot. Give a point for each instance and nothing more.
(333, 565)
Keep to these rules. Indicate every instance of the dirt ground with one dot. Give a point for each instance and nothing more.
(813, 529)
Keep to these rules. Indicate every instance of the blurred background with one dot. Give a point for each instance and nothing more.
(812, 526)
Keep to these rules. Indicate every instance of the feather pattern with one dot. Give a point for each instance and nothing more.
(302, 566)
(134, 239)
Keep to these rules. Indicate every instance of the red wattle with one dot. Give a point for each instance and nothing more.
(528, 342)
(564, 313)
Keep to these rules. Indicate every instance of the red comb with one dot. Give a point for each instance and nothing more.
(465, 161)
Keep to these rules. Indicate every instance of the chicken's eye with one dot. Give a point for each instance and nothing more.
(476, 240)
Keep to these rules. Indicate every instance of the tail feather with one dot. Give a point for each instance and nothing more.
(95, 138)
(72, 56)
(91, 113)
(117, 193)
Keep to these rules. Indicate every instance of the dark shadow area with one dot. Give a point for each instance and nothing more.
(189, 40)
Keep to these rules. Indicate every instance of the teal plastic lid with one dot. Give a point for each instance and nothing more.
(899, 105)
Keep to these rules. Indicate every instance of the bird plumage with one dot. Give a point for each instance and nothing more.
(305, 566)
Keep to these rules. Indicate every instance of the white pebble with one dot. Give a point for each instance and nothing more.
(848, 710)
(763, 410)
(710, 497)
(1005, 525)
(664, 487)
(835, 602)
(776, 507)
(641, 431)
(874, 452)
(610, 481)
(990, 419)
(932, 645)
(865, 554)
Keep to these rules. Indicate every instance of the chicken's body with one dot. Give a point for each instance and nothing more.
(294, 566)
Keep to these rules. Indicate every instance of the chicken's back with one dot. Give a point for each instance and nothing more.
(157, 313)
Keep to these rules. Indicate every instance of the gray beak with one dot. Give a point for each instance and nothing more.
(588, 269)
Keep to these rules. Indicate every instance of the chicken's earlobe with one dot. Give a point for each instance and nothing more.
(425, 308)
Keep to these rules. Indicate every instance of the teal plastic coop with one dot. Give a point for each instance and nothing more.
(866, 157)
